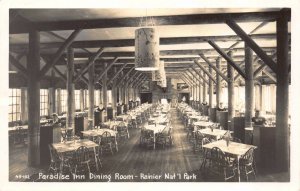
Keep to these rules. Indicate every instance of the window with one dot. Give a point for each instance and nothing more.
(14, 105)
(43, 102)
(63, 100)
(77, 99)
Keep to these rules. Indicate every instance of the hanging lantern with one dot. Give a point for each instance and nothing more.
(163, 82)
(158, 74)
(146, 49)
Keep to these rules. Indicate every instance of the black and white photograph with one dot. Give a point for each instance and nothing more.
(79, 107)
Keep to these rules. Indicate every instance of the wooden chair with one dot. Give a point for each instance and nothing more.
(197, 146)
(206, 153)
(148, 138)
(165, 137)
(247, 164)
(122, 131)
(82, 160)
(107, 142)
(221, 164)
(57, 162)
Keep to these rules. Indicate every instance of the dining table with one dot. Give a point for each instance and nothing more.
(203, 124)
(71, 146)
(156, 128)
(214, 133)
(234, 149)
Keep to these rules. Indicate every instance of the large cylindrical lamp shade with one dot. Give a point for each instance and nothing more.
(158, 74)
(146, 49)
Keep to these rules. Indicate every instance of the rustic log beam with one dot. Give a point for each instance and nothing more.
(90, 63)
(205, 71)
(199, 74)
(191, 84)
(130, 42)
(231, 94)
(263, 66)
(227, 58)
(214, 67)
(70, 123)
(34, 99)
(194, 82)
(251, 43)
(273, 78)
(249, 86)
(18, 65)
(134, 79)
(282, 129)
(195, 77)
(218, 84)
(135, 22)
(91, 90)
(124, 76)
(210, 89)
(140, 82)
(117, 74)
(55, 69)
(59, 53)
(254, 30)
(106, 69)
(104, 87)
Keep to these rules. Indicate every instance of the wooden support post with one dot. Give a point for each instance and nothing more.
(231, 96)
(114, 95)
(211, 89)
(70, 123)
(249, 86)
(24, 105)
(52, 100)
(104, 87)
(282, 93)
(218, 84)
(33, 66)
(204, 89)
(81, 99)
(200, 91)
(91, 86)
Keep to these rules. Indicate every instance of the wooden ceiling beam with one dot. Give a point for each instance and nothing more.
(192, 19)
(59, 53)
(227, 58)
(18, 65)
(252, 44)
(130, 42)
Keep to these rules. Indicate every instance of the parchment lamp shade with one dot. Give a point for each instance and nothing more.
(157, 75)
(146, 49)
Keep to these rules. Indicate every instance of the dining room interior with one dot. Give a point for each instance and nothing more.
(149, 95)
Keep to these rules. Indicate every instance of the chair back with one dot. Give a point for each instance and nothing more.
(218, 157)
(82, 154)
(248, 157)
(106, 138)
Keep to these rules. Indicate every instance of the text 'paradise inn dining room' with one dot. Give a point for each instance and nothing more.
(149, 95)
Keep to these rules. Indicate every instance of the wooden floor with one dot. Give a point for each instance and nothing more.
(133, 161)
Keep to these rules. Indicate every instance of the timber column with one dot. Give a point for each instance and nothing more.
(249, 86)
(231, 98)
(70, 90)
(282, 93)
(218, 84)
(104, 87)
(33, 67)
(204, 88)
(211, 89)
(91, 72)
